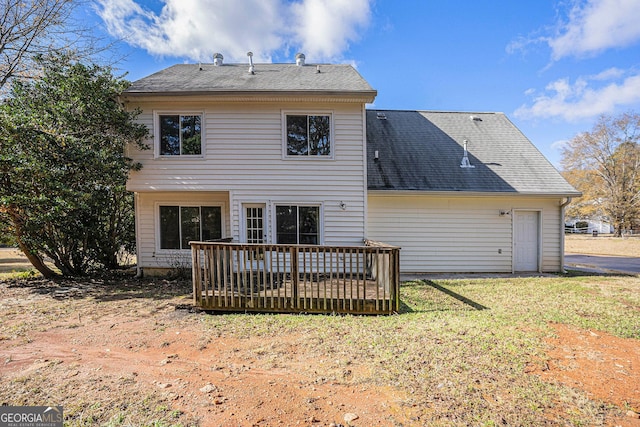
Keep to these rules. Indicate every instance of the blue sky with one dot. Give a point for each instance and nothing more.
(552, 66)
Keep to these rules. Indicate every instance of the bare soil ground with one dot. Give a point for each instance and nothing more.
(606, 367)
(96, 351)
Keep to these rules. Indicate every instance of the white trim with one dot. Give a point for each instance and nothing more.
(538, 237)
(156, 133)
(332, 142)
(366, 175)
(246, 96)
(274, 227)
(243, 219)
(156, 221)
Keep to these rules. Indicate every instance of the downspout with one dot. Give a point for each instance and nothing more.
(562, 206)
(139, 272)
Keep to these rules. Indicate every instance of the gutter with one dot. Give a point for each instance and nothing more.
(463, 193)
(366, 96)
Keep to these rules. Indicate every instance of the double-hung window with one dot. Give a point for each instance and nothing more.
(298, 224)
(181, 224)
(308, 135)
(179, 134)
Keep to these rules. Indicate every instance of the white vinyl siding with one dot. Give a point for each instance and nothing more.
(243, 152)
(460, 234)
(242, 159)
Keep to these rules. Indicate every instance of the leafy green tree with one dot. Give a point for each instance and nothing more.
(605, 165)
(64, 169)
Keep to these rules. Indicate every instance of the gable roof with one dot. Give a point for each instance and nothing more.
(423, 151)
(207, 79)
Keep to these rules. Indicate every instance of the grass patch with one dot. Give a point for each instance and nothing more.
(602, 245)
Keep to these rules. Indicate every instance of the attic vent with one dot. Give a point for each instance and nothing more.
(300, 59)
(475, 118)
(465, 158)
(217, 59)
(381, 116)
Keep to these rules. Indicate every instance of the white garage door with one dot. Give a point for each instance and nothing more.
(526, 240)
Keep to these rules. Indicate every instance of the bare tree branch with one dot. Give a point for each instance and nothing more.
(32, 28)
(605, 165)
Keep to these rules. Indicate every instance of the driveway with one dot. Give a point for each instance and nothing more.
(602, 263)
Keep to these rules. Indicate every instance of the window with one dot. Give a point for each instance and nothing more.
(298, 225)
(308, 135)
(181, 224)
(180, 134)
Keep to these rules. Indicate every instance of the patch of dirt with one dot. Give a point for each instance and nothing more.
(107, 351)
(605, 366)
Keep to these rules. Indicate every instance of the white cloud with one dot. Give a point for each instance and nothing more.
(197, 28)
(325, 27)
(609, 74)
(597, 25)
(587, 97)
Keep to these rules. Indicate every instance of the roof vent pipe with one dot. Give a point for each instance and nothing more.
(465, 158)
(300, 59)
(251, 67)
(217, 59)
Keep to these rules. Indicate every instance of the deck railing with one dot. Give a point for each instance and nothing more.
(296, 278)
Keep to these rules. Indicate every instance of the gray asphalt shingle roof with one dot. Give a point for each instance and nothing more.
(208, 78)
(423, 150)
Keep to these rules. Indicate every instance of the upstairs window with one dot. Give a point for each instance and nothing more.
(181, 224)
(308, 135)
(180, 134)
(298, 224)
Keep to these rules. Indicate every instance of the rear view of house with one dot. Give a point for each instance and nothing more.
(288, 154)
(255, 153)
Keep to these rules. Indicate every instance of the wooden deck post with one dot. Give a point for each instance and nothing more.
(293, 261)
(196, 275)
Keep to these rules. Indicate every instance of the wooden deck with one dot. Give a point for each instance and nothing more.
(296, 278)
